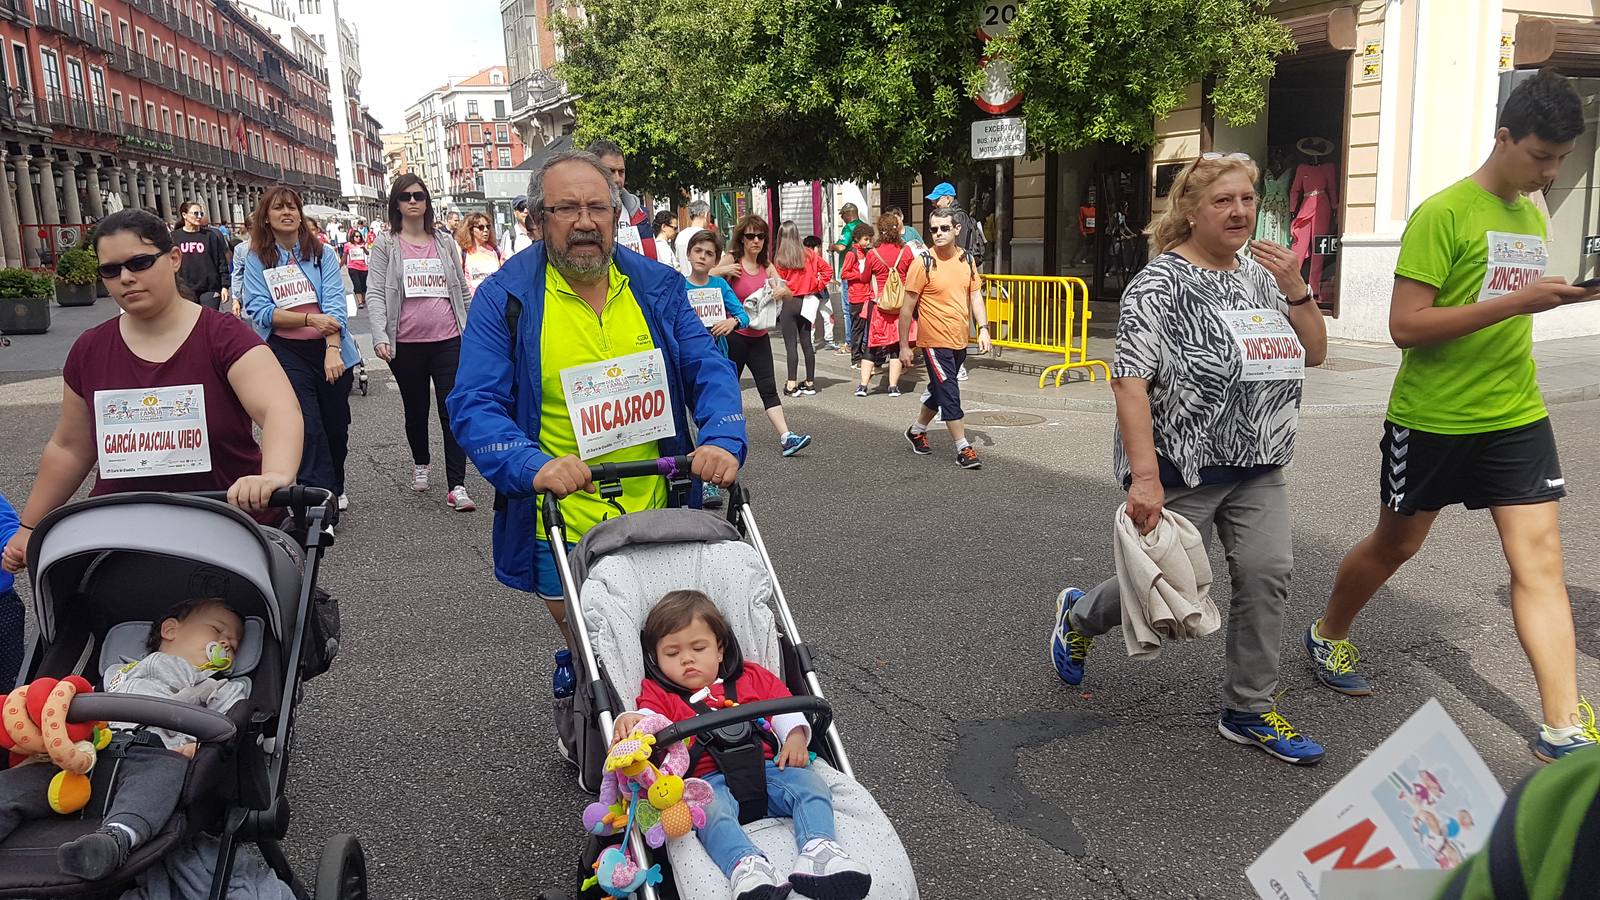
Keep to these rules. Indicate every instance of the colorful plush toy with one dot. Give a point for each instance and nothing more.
(37, 731)
(672, 806)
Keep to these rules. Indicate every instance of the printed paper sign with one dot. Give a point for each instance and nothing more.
(290, 287)
(358, 253)
(154, 431)
(628, 236)
(425, 278)
(809, 306)
(618, 403)
(707, 303)
(1268, 346)
(1422, 800)
(1515, 260)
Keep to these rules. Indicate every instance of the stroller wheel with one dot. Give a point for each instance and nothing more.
(342, 874)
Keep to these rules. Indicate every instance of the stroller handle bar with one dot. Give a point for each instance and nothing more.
(668, 467)
(818, 710)
(203, 725)
(295, 496)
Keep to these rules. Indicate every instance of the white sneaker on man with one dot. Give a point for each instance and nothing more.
(458, 499)
(754, 878)
(344, 502)
(825, 872)
(419, 478)
(961, 373)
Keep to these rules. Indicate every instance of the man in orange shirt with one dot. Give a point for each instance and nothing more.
(946, 288)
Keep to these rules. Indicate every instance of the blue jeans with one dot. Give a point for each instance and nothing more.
(796, 792)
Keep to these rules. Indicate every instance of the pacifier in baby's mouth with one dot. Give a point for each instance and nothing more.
(218, 657)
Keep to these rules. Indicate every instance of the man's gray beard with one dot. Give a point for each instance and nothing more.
(582, 272)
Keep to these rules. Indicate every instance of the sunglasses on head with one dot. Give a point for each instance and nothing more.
(413, 196)
(1213, 156)
(138, 263)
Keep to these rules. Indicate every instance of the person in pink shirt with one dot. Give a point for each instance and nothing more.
(417, 305)
(355, 262)
(480, 253)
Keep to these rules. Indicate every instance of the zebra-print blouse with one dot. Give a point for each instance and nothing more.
(1204, 415)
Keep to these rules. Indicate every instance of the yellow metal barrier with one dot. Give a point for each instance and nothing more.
(1048, 314)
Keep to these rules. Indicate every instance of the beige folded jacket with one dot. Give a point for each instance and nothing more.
(1165, 581)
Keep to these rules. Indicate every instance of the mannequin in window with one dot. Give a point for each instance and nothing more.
(1087, 221)
(1314, 197)
(1272, 217)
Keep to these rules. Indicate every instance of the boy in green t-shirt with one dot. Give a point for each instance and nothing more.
(1466, 423)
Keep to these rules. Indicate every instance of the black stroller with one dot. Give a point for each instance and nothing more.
(614, 576)
(102, 569)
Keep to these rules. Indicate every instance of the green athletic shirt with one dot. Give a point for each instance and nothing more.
(572, 335)
(1472, 246)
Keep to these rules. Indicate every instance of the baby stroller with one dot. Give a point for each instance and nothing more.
(615, 575)
(102, 570)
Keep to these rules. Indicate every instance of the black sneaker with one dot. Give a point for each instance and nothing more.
(967, 458)
(792, 391)
(861, 390)
(919, 442)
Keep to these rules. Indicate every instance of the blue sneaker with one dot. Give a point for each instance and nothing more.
(710, 496)
(1334, 663)
(1068, 648)
(1554, 743)
(1271, 733)
(794, 443)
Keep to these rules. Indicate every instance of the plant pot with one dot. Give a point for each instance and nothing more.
(24, 315)
(100, 291)
(74, 294)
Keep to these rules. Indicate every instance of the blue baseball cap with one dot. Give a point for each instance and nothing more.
(943, 189)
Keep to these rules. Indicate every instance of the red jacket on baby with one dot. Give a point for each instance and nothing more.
(755, 683)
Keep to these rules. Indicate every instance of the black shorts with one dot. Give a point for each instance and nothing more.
(1425, 472)
(944, 390)
(358, 281)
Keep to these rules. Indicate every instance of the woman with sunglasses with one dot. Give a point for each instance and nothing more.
(746, 267)
(294, 296)
(355, 262)
(479, 251)
(205, 256)
(1212, 345)
(417, 304)
(190, 365)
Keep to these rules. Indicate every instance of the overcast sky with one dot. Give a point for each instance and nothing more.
(410, 47)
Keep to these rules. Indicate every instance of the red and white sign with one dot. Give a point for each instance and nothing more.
(994, 19)
(1422, 800)
(997, 97)
(618, 403)
(1269, 350)
(152, 431)
(290, 287)
(426, 278)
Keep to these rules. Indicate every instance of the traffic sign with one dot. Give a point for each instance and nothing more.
(999, 138)
(997, 95)
(994, 19)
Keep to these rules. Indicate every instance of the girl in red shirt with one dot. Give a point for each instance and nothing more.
(194, 366)
(857, 277)
(883, 328)
(800, 274)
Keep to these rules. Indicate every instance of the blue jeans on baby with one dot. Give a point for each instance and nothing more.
(796, 792)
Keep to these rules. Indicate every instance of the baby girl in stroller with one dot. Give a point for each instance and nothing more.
(685, 639)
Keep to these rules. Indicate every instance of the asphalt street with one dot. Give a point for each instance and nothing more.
(927, 593)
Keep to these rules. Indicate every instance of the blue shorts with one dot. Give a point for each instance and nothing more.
(944, 391)
(548, 586)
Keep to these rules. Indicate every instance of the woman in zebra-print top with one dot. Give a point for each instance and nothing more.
(1211, 349)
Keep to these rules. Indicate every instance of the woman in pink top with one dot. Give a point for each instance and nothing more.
(481, 254)
(417, 304)
(355, 261)
(748, 270)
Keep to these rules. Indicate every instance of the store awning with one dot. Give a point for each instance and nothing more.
(1573, 47)
(1322, 34)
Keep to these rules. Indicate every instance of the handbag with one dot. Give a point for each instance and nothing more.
(763, 309)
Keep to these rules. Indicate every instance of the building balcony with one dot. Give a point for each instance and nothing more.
(19, 110)
(238, 51)
(276, 78)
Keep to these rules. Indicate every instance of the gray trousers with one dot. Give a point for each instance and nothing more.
(1252, 517)
(147, 785)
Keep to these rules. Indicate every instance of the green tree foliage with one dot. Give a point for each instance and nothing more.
(1107, 70)
(707, 91)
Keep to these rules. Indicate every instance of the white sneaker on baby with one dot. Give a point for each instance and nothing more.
(825, 872)
(754, 878)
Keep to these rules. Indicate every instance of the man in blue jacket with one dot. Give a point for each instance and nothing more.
(606, 363)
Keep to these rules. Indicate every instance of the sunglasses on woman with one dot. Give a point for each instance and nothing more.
(138, 263)
(751, 236)
(413, 196)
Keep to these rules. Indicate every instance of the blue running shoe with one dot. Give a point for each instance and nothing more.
(1271, 733)
(1554, 743)
(710, 496)
(1068, 648)
(1334, 662)
(794, 443)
